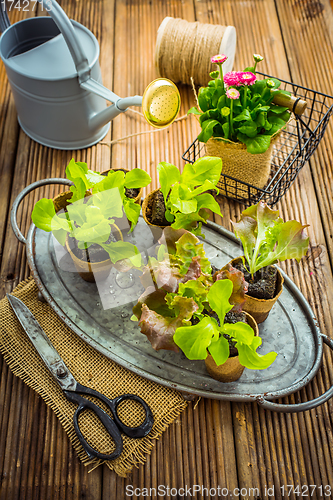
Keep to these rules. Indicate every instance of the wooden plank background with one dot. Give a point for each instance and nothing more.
(215, 443)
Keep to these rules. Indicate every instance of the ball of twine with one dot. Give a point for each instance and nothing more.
(183, 49)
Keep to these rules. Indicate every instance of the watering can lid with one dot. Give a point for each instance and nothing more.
(52, 60)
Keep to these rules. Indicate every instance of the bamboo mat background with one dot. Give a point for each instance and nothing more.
(217, 443)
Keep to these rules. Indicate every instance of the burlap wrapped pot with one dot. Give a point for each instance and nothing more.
(253, 169)
(260, 308)
(231, 370)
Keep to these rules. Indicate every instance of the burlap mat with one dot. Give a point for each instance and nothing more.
(90, 368)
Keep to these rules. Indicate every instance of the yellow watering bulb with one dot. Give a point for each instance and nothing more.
(161, 103)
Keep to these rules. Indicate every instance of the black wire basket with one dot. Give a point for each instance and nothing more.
(294, 146)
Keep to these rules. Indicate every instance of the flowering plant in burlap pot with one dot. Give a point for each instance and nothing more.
(240, 122)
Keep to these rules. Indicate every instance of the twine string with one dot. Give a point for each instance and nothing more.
(184, 49)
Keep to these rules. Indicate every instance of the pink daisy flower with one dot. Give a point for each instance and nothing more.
(247, 78)
(232, 93)
(231, 79)
(219, 59)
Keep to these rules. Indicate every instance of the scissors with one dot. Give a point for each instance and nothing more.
(72, 389)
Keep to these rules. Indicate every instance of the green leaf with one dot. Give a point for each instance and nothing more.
(111, 181)
(94, 177)
(204, 98)
(226, 129)
(221, 102)
(250, 129)
(243, 116)
(44, 217)
(184, 206)
(77, 170)
(255, 145)
(239, 285)
(219, 351)
(252, 360)
(277, 109)
(242, 332)
(291, 243)
(168, 175)
(207, 130)
(205, 168)
(109, 202)
(132, 211)
(187, 221)
(206, 200)
(194, 111)
(245, 230)
(119, 250)
(94, 231)
(78, 190)
(194, 340)
(136, 179)
(196, 290)
(218, 298)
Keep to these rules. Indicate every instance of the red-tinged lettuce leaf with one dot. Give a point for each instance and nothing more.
(154, 299)
(166, 276)
(159, 329)
(194, 340)
(291, 243)
(240, 286)
(194, 270)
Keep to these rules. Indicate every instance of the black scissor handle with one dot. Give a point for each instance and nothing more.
(134, 432)
(106, 420)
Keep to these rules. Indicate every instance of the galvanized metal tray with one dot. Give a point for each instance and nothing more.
(101, 316)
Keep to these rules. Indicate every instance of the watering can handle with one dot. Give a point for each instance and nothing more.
(66, 28)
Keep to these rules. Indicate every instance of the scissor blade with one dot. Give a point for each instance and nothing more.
(42, 344)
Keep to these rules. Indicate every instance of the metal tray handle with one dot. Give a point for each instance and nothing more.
(307, 405)
(19, 198)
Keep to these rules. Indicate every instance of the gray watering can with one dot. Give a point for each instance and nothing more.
(54, 73)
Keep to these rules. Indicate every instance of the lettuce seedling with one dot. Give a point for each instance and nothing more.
(85, 179)
(267, 239)
(209, 334)
(89, 221)
(185, 195)
(179, 287)
(175, 287)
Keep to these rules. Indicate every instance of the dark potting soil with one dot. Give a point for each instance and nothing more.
(156, 210)
(263, 283)
(130, 193)
(94, 253)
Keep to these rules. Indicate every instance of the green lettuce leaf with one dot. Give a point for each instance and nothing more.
(194, 340)
(136, 179)
(218, 298)
(168, 175)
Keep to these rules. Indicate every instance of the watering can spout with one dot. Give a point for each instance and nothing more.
(160, 103)
(103, 117)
